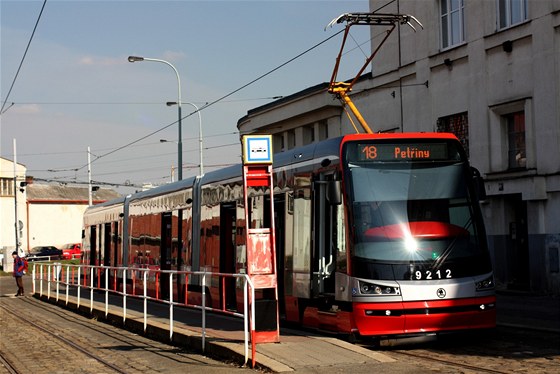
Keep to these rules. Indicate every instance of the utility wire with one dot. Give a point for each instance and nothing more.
(23, 58)
(217, 100)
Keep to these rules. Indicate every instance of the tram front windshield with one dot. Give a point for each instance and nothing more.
(414, 218)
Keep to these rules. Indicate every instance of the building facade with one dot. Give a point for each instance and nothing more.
(55, 212)
(486, 70)
(10, 195)
(47, 214)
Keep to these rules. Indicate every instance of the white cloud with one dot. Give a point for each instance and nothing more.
(173, 56)
(25, 109)
(102, 61)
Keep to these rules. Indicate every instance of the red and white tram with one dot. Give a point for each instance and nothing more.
(376, 235)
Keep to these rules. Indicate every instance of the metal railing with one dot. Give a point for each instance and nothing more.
(135, 282)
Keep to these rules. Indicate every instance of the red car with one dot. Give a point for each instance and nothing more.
(72, 250)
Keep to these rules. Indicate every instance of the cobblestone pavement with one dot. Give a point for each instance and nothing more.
(505, 350)
(508, 349)
(31, 350)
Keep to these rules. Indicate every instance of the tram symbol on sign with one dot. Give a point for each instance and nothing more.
(257, 149)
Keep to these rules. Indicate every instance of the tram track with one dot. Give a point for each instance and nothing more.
(60, 338)
(45, 338)
(448, 363)
(5, 363)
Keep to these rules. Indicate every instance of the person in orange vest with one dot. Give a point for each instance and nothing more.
(19, 267)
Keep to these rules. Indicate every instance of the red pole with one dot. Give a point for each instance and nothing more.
(186, 289)
(157, 285)
(223, 292)
(253, 349)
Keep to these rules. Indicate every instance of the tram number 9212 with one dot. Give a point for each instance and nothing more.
(430, 275)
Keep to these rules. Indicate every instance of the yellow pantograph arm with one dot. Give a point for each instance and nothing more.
(340, 89)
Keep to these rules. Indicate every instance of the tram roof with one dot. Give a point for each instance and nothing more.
(329, 147)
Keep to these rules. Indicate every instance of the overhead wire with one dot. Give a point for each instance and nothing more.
(217, 100)
(137, 145)
(22, 59)
(207, 105)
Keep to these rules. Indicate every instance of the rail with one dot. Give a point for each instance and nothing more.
(124, 282)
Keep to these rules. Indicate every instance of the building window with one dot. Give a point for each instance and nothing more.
(458, 125)
(323, 130)
(291, 139)
(308, 134)
(452, 25)
(7, 187)
(278, 140)
(517, 154)
(511, 12)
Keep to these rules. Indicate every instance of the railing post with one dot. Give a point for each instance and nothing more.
(48, 281)
(157, 284)
(253, 342)
(246, 318)
(57, 275)
(33, 278)
(124, 295)
(79, 284)
(67, 281)
(91, 290)
(223, 281)
(170, 306)
(134, 282)
(145, 300)
(186, 289)
(106, 291)
(41, 274)
(203, 311)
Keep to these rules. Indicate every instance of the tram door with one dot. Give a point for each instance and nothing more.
(165, 253)
(227, 254)
(326, 238)
(115, 244)
(280, 227)
(93, 245)
(107, 245)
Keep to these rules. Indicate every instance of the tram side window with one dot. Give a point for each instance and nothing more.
(241, 248)
(302, 230)
(186, 228)
(340, 224)
(100, 245)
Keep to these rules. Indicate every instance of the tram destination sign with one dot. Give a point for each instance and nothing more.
(398, 152)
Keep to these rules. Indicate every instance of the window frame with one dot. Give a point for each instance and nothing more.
(448, 26)
(7, 187)
(458, 125)
(507, 6)
(513, 136)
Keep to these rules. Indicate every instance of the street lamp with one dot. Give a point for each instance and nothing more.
(179, 143)
(201, 167)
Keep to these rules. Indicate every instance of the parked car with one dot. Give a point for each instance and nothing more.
(44, 253)
(71, 250)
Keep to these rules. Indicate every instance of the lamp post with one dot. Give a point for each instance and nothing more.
(200, 165)
(179, 143)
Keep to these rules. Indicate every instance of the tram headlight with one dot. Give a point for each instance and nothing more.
(485, 284)
(376, 289)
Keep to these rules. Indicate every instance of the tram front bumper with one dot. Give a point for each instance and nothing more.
(420, 317)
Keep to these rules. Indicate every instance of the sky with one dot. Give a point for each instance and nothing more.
(76, 89)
